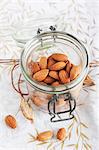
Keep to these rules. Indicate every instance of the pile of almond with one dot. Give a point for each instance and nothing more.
(54, 70)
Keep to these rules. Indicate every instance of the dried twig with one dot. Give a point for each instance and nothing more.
(88, 81)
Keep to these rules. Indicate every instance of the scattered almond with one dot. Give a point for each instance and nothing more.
(61, 134)
(44, 136)
(49, 80)
(41, 75)
(58, 66)
(59, 57)
(63, 75)
(75, 71)
(11, 121)
(54, 74)
(43, 63)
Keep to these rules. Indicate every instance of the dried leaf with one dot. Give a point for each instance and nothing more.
(77, 131)
(17, 112)
(76, 146)
(70, 145)
(84, 125)
(75, 119)
(42, 143)
(88, 81)
(88, 145)
(36, 131)
(32, 136)
(69, 135)
(95, 63)
(81, 104)
(62, 145)
(70, 126)
(26, 110)
(49, 146)
(83, 135)
(31, 141)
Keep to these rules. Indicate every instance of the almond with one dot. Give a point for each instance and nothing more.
(56, 83)
(63, 75)
(49, 80)
(41, 75)
(75, 71)
(34, 67)
(61, 134)
(37, 101)
(60, 102)
(68, 67)
(43, 83)
(49, 96)
(43, 63)
(58, 66)
(54, 74)
(59, 57)
(44, 136)
(11, 121)
(37, 93)
(51, 61)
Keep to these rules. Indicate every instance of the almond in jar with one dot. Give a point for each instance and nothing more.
(72, 52)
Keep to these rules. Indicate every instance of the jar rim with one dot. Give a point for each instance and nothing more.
(48, 88)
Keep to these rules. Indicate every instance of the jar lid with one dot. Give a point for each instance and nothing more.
(27, 30)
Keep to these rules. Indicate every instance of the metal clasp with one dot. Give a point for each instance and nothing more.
(52, 28)
(59, 116)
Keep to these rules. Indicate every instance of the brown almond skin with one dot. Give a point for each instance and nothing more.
(54, 74)
(43, 83)
(63, 75)
(34, 67)
(61, 134)
(49, 80)
(60, 102)
(41, 75)
(43, 63)
(58, 66)
(56, 83)
(59, 57)
(50, 62)
(68, 67)
(44, 136)
(75, 71)
(11, 121)
(37, 101)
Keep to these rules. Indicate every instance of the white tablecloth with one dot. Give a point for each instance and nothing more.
(20, 19)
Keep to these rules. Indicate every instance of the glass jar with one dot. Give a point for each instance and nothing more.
(59, 101)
